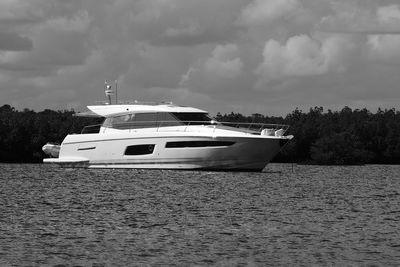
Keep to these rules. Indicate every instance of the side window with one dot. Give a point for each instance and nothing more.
(145, 120)
(139, 150)
(186, 144)
(167, 119)
(123, 122)
(193, 118)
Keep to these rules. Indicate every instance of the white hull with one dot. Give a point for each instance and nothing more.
(165, 136)
(245, 152)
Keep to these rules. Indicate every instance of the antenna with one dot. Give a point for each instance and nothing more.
(108, 91)
(116, 92)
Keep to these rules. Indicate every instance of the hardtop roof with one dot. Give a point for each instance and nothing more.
(112, 110)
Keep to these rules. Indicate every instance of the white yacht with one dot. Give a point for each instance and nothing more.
(167, 136)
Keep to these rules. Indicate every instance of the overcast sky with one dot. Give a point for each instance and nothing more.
(248, 56)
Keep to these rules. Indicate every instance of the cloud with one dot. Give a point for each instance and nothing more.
(384, 48)
(17, 14)
(216, 73)
(241, 54)
(389, 15)
(224, 62)
(303, 56)
(14, 42)
(177, 22)
(352, 17)
(56, 41)
(379, 24)
(263, 11)
(60, 42)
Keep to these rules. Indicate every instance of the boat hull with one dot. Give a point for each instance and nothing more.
(169, 151)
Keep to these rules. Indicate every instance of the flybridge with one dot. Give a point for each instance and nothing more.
(109, 109)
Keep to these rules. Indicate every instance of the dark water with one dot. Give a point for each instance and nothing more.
(308, 215)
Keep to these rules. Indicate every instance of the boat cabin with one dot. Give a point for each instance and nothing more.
(156, 119)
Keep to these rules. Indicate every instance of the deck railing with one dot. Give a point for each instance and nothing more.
(250, 128)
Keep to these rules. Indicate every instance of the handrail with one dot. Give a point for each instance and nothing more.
(252, 128)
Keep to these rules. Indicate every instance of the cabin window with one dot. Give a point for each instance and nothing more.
(139, 150)
(120, 122)
(183, 144)
(145, 120)
(167, 119)
(193, 118)
(142, 120)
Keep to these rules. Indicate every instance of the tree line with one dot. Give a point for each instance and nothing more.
(23, 133)
(336, 137)
(321, 137)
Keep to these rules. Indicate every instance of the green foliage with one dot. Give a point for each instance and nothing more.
(341, 137)
(342, 148)
(23, 133)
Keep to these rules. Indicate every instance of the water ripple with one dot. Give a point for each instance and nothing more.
(312, 215)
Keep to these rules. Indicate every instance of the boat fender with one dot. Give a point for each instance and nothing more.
(52, 150)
